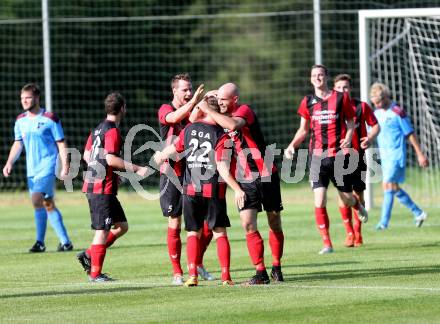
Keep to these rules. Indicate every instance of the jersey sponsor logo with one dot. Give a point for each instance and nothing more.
(325, 116)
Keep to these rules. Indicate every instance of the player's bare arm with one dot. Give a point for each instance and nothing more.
(231, 123)
(367, 140)
(223, 170)
(15, 152)
(421, 158)
(299, 137)
(119, 164)
(161, 156)
(180, 114)
(346, 142)
(62, 150)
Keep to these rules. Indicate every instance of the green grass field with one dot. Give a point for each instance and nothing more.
(393, 278)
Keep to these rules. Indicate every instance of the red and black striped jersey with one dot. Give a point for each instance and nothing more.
(327, 121)
(205, 144)
(249, 145)
(364, 115)
(99, 177)
(168, 132)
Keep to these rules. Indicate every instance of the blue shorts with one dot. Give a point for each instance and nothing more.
(45, 185)
(393, 173)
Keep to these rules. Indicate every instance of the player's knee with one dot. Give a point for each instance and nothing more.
(274, 220)
(249, 227)
(175, 222)
(121, 228)
(49, 204)
(37, 200)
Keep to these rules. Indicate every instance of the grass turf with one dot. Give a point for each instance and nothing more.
(393, 278)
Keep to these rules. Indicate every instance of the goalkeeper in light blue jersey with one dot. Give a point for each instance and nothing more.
(41, 134)
(396, 129)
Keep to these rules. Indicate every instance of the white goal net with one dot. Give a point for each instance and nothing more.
(401, 48)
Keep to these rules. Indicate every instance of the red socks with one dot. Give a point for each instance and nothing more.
(224, 256)
(192, 251)
(256, 249)
(347, 218)
(111, 238)
(357, 224)
(97, 254)
(205, 239)
(276, 242)
(174, 249)
(323, 224)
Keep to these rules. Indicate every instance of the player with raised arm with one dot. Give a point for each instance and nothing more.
(362, 140)
(204, 191)
(102, 154)
(173, 117)
(329, 116)
(41, 134)
(259, 181)
(396, 129)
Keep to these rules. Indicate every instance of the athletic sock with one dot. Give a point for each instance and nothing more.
(406, 200)
(205, 239)
(56, 221)
(224, 256)
(323, 224)
(111, 238)
(357, 224)
(346, 215)
(387, 205)
(255, 246)
(40, 223)
(174, 249)
(276, 242)
(192, 251)
(97, 256)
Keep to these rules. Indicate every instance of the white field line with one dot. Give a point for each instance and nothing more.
(124, 283)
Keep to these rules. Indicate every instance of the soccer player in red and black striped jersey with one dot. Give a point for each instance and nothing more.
(330, 117)
(207, 159)
(260, 182)
(173, 117)
(362, 139)
(102, 154)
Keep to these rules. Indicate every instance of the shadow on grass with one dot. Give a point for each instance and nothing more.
(362, 273)
(102, 290)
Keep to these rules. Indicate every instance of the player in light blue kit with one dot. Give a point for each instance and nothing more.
(42, 136)
(395, 128)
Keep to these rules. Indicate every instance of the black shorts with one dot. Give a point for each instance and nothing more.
(170, 198)
(359, 176)
(105, 211)
(197, 209)
(264, 192)
(322, 171)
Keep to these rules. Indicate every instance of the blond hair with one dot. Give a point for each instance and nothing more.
(380, 90)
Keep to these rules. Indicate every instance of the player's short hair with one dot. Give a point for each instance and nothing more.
(320, 66)
(181, 76)
(343, 77)
(32, 87)
(380, 90)
(113, 103)
(213, 103)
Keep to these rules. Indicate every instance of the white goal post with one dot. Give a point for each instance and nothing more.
(381, 34)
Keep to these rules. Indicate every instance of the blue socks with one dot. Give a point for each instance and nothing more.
(40, 223)
(406, 200)
(56, 220)
(388, 199)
